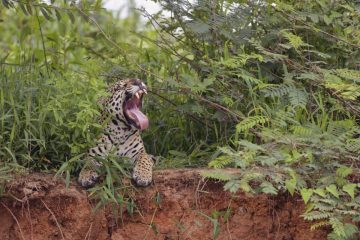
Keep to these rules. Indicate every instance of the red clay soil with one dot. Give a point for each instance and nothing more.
(38, 207)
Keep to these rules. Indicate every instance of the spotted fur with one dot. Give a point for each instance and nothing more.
(120, 137)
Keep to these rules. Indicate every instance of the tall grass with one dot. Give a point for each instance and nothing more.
(45, 120)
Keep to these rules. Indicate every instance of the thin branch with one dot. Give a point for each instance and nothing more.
(87, 236)
(218, 106)
(53, 215)
(152, 220)
(42, 41)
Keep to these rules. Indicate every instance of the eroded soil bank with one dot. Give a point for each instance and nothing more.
(180, 205)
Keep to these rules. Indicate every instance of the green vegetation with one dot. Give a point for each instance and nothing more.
(270, 87)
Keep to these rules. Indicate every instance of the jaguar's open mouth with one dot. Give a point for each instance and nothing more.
(132, 110)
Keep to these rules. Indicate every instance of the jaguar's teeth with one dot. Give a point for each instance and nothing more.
(144, 91)
(137, 95)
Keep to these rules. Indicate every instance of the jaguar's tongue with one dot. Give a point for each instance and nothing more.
(138, 117)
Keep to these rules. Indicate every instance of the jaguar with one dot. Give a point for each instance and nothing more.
(121, 135)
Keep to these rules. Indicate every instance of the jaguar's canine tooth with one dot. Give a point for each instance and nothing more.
(137, 95)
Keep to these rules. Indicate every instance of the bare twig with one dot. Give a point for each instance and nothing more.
(218, 106)
(87, 236)
(227, 221)
(57, 223)
(42, 41)
(152, 220)
(29, 216)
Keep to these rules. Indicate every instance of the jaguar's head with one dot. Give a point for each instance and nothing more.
(126, 102)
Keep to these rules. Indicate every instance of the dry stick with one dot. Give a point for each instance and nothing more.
(152, 220)
(31, 226)
(14, 217)
(197, 194)
(88, 232)
(57, 223)
(228, 220)
(218, 106)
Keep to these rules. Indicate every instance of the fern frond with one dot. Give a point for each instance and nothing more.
(251, 146)
(282, 119)
(328, 201)
(250, 122)
(302, 131)
(277, 90)
(220, 162)
(218, 175)
(337, 226)
(347, 212)
(319, 225)
(316, 215)
(323, 207)
(343, 128)
(267, 53)
(353, 145)
(298, 98)
(294, 40)
(343, 171)
(352, 75)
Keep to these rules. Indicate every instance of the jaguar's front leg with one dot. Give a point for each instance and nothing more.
(143, 170)
(89, 175)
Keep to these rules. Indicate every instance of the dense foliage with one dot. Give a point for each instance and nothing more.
(270, 87)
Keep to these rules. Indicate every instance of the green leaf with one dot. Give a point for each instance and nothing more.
(321, 192)
(29, 9)
(58, 14)
(245, 186)
(291, 185)
(333, 190)
(216, 225)
(45, 13)
(6, 3)
(71, 16)
(343, 171)
(327, 20)
(22, 6)
(350, 189)
(306, 194)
